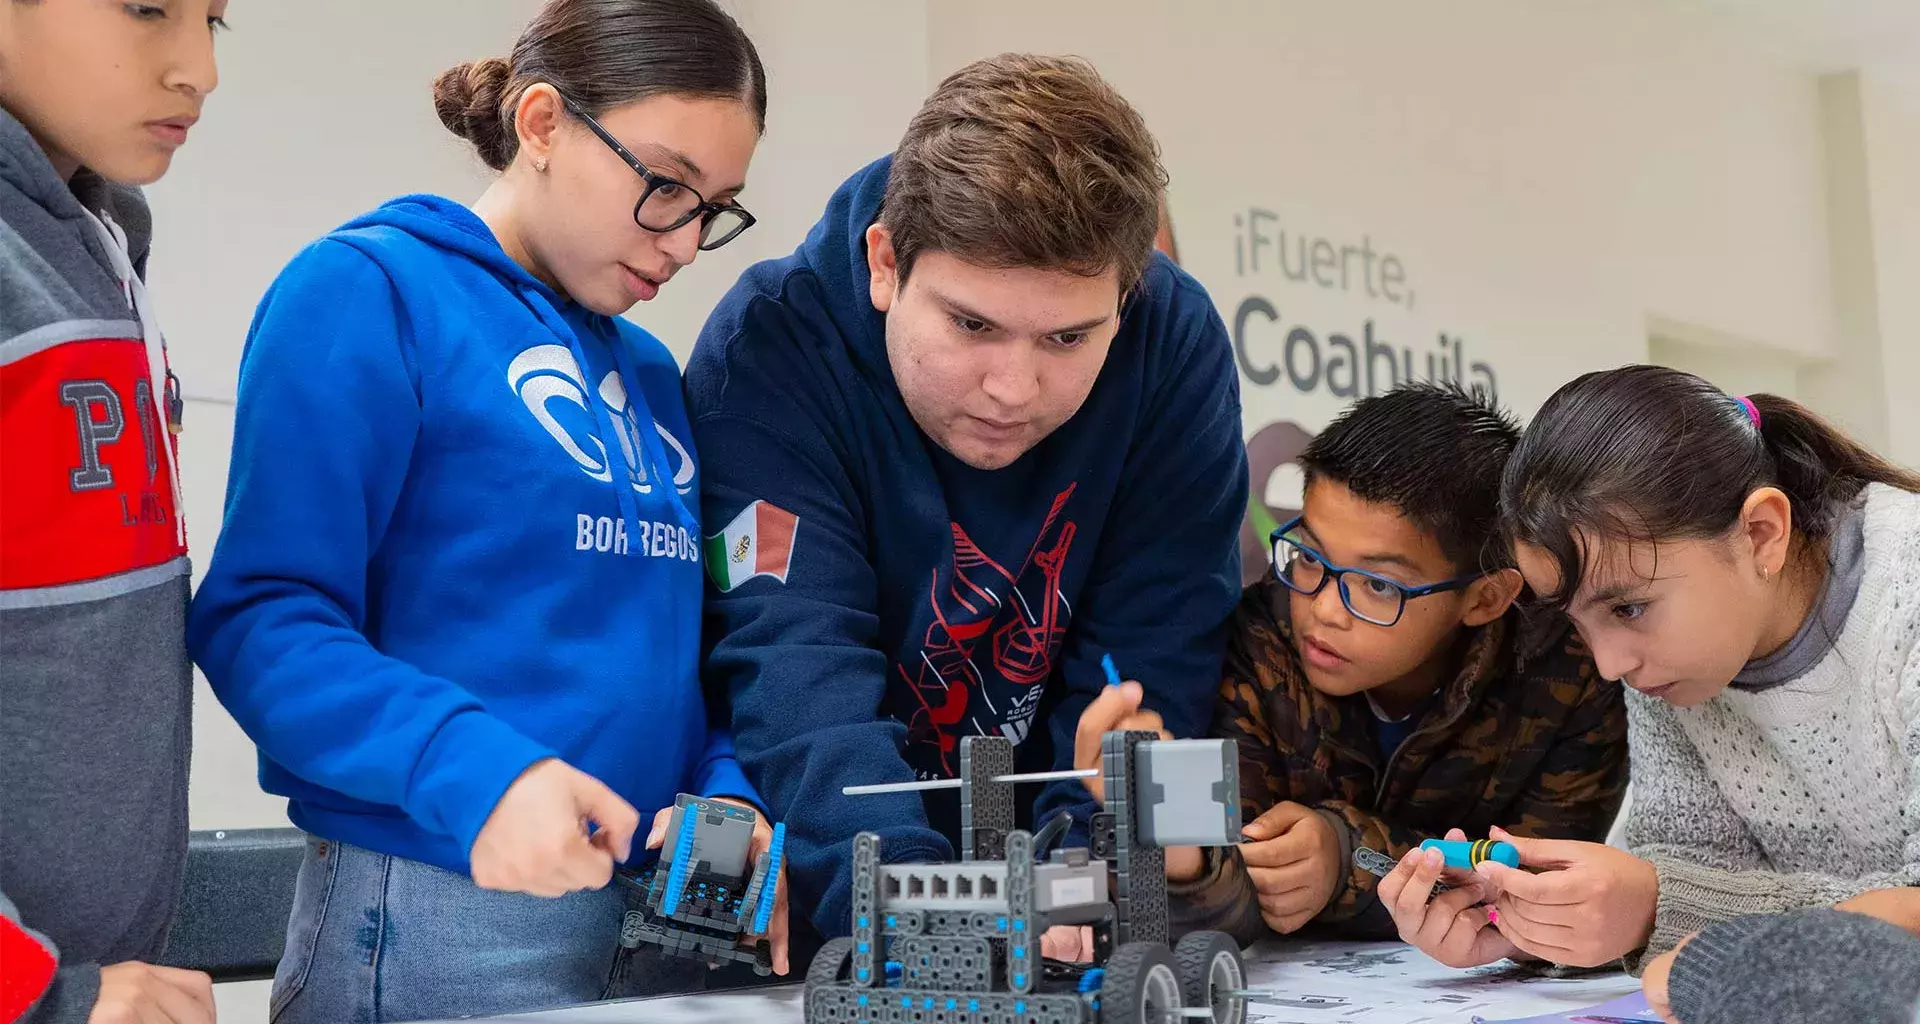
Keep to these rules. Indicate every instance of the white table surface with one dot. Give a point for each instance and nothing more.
(1299, 983)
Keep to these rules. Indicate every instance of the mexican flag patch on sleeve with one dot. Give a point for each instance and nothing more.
(759, 542)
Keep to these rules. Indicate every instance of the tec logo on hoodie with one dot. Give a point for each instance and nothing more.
(550, 384)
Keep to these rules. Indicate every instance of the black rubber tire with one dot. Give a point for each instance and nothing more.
(825, 981)
(1142, 983)
(831, 963)
(1211, 967)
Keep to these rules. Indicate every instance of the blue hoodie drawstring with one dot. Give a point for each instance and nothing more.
(616, 453)
(659, 467)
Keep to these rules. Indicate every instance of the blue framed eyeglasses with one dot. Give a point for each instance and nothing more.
(1370, 597)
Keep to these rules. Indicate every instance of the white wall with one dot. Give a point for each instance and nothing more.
(1553, 176)
(1872, 145)
(1736, 368)
(1851, 387)
(1892, 131)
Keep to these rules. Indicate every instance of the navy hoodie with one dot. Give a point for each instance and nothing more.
(876, 599)
(434, 570)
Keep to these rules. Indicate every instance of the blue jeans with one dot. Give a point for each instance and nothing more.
(376, 938)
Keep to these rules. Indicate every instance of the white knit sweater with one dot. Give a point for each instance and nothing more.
(1802, 795)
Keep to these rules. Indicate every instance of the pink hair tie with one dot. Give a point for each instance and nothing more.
(1753, 412)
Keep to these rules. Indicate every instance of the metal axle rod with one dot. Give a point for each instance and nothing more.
(1070, 773)
(931, 784)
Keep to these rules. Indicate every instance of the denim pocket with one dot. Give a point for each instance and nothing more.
(312, 891)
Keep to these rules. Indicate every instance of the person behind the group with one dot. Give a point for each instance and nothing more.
(1382, 687)
(95, 687)
(972, 436)
(1752, 576)
(456, 600)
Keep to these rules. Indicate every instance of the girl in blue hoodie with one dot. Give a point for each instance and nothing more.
(456, 599)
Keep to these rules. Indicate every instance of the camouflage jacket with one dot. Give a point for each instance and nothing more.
(1527, 737)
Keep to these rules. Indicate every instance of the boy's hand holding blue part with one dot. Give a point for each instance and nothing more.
(1452, 927)
(1117, 709)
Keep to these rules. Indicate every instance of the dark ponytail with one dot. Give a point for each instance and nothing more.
(1652, 453)
(602, 54)
(1819, 467)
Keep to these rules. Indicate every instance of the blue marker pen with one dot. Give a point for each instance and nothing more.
(1113, 674)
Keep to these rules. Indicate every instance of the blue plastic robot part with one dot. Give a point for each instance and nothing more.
(1464, 854)
(677, 875)
(776, 851)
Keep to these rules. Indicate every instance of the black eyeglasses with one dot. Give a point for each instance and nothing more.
(1376, 599)
(669, 205)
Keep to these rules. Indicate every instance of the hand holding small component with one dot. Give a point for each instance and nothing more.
(1117, 709)
(537, 839)
(1583, 904)
(1453, 927)
(777, 932)
(1293, 857)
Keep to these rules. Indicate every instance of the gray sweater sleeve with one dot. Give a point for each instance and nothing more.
(1678, 819)
(70, 998)
(1804, 966)
(1709, 865)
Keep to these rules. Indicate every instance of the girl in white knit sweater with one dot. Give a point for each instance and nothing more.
(1753, 576)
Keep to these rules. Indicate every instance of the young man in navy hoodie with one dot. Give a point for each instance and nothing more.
(972, 436)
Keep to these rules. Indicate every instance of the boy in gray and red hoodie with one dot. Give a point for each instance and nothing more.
(95, 688)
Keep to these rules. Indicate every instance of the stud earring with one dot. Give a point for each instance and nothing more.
(1763, 574)
(540, 165)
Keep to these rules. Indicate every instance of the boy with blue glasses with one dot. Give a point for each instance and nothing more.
(1383, 687)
